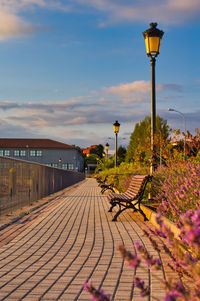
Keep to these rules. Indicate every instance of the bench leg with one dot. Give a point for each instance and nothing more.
(117, 214)
(141, 212)
(102, 190)
(110, 188)
(111, 208)
(106, 188)
(134, 209)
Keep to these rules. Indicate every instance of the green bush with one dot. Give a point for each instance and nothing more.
(120, 176)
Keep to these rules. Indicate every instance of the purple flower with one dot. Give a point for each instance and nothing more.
(150, 261)
(190, 229)
(134, 263)
(131, 259)
(179, 188)
(145, 291)
(97, 295)
(170, 298)
(137, 244)
(175, 290)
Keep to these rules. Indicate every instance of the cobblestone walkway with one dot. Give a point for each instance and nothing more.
(73, 240)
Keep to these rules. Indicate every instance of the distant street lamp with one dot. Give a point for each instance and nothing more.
(60, 161)
(173, 110)
(153, 38)
(116, 127)
(107, 148)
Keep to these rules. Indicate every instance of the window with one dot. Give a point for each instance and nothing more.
(64, 165)
(1, 152)
(70, 166)
(55, 164)
(23, 153)
(32, 153)
(7, 152)
(39, 153)
(16, 152)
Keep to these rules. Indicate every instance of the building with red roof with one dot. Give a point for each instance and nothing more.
(87, 150)
(43, 151)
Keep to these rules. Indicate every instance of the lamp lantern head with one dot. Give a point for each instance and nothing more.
(153, 37)
(116, 126)
(107, 146)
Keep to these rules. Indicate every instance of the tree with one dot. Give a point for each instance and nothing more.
(105, 163)
(98, 150)
(139, 145)
(121, 154)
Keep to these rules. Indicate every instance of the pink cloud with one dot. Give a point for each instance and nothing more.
(137, 86)
(164, 11)
(13, 25)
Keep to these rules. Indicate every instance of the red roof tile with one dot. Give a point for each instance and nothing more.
(87, 150)
(32, 143)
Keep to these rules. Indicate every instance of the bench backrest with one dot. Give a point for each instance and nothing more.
(137, 185)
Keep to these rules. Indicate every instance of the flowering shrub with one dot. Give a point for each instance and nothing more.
(179, 188)
(185, 256)
(97, 295)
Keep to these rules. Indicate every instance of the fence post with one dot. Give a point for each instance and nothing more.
(33, 186)
(12, 182)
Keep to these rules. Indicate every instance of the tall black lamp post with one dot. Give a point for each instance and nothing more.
(116, 127)
(153, 38)
(107, 148)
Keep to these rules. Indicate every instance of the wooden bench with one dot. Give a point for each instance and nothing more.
(132, 197)
(100, 181)
(106, 186)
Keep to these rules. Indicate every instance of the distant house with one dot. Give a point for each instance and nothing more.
(87, 150)
(43, 151)
(90, 166)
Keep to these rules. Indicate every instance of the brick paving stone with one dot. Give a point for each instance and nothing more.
(49, 255)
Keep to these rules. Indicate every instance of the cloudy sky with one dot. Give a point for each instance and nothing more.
(70, 68)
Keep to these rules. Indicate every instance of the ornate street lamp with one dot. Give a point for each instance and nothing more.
(172, 110)
(116, 127)
(153, 38)
(107, 148)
